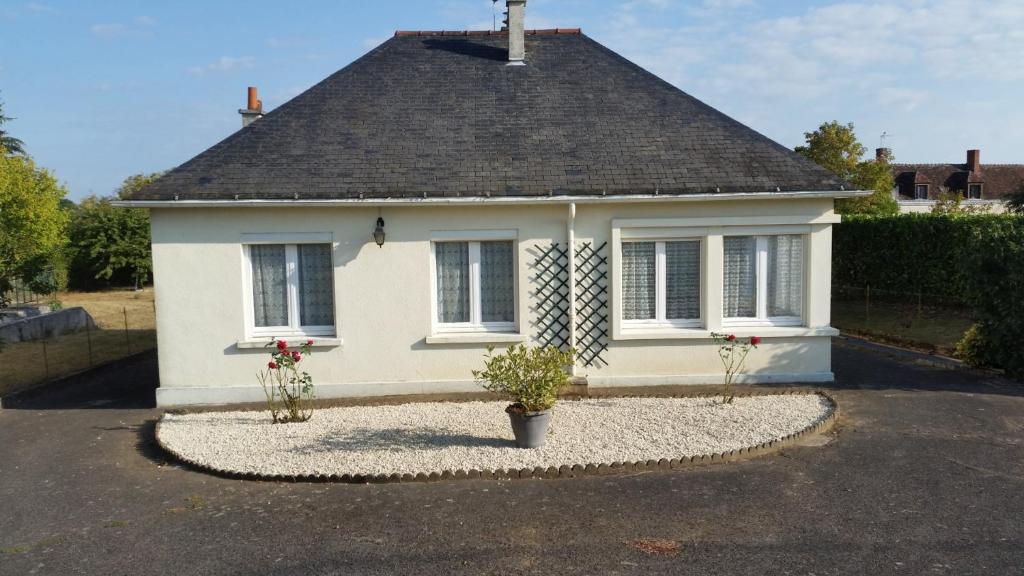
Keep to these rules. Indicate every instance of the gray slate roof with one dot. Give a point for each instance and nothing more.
(430, 114)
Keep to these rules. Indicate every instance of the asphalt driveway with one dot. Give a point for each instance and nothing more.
(924, 475)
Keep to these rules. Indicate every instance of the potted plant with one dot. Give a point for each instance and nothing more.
(531, 378)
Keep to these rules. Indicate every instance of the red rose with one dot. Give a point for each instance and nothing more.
(730, 337)
(272, 365)
(282, 345)
(309, 342)
(296, 356)
(755, 340)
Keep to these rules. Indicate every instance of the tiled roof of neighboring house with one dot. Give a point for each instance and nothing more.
(997, 180)
(441, 114)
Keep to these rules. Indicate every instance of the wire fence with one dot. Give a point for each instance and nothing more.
(918, 319)
(20, 293)
(118, 330)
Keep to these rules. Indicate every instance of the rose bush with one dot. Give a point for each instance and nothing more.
(733, 353)
(289, 392)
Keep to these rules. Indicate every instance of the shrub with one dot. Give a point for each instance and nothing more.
(973, 349)
(289, 392)
(976, 260)
(530, 377)
(733, 352)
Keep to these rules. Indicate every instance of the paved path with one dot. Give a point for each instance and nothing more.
(925, 475)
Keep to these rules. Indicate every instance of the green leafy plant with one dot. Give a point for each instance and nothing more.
(530, 377)
(289, 392)
(974, 259)
(733, 352)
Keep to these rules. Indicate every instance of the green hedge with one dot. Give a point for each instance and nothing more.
(977, 260)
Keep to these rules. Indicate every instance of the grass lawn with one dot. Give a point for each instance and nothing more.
(932, 328)
(25, 364)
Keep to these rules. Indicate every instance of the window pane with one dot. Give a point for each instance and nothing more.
(316, 285)
(740, 277)
(785, 275)
(452, 281)
(496, 281)
(269, 285)
(638, 281)
(682, 280)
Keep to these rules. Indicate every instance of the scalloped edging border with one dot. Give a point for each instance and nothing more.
(563, 471)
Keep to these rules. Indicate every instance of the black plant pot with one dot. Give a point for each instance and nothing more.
(530, 428)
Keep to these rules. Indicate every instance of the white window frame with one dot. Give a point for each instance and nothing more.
(926, 191)
(661, 288)
(291, 243)
(476, 325)
(981, 190)
(761, 297)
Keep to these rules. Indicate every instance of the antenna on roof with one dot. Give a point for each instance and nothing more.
(883, 141)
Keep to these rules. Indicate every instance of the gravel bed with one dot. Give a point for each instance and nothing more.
(449, 436)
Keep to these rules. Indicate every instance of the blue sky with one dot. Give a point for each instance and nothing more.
(102, 90)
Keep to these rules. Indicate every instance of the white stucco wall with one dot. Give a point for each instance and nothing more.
(383, 296)
(926, 206)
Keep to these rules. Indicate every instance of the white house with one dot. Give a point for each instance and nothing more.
(530, 187)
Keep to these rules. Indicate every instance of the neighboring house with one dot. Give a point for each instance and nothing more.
(563, 195)
(918, 186)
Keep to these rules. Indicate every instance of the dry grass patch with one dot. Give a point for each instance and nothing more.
(125, 325)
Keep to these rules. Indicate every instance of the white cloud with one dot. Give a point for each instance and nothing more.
(141, 26)
(905, 98)
(223, 64)
(40, 8)
(864, 46)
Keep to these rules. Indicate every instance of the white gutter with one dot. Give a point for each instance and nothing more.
(491, 200)
(570, 226)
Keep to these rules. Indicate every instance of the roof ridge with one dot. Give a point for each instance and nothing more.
(535, 32)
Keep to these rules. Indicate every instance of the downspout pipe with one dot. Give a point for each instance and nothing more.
(570, 228)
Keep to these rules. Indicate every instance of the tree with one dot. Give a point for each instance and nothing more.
(109, 243)
(32, 224)
(8, 144)
(834, 146)
(951, 203)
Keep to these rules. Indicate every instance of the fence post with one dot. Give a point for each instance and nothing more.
(127, 341)
(867, 303)
(46, 360)
(88, 339)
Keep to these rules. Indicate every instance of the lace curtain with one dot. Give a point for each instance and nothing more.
(740, 277)
(496, 281)
(638, 281)
(682, 280)
(316, 285)
(452, 281)
(785, 275)
(269, 285)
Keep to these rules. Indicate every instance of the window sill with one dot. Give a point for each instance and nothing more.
(475, 338)
(739, 331)
(318, 342)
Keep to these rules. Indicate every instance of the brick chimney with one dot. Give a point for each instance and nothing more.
(883, 154)
(253, 110)
(516, 32)
(974, 160)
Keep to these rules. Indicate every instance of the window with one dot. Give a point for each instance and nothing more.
(921, 192)
(974, 191)
(475, 286)
(292, 289)
(661, 283)
(764, 280)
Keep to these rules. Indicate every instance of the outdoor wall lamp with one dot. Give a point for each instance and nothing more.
(378, 232)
